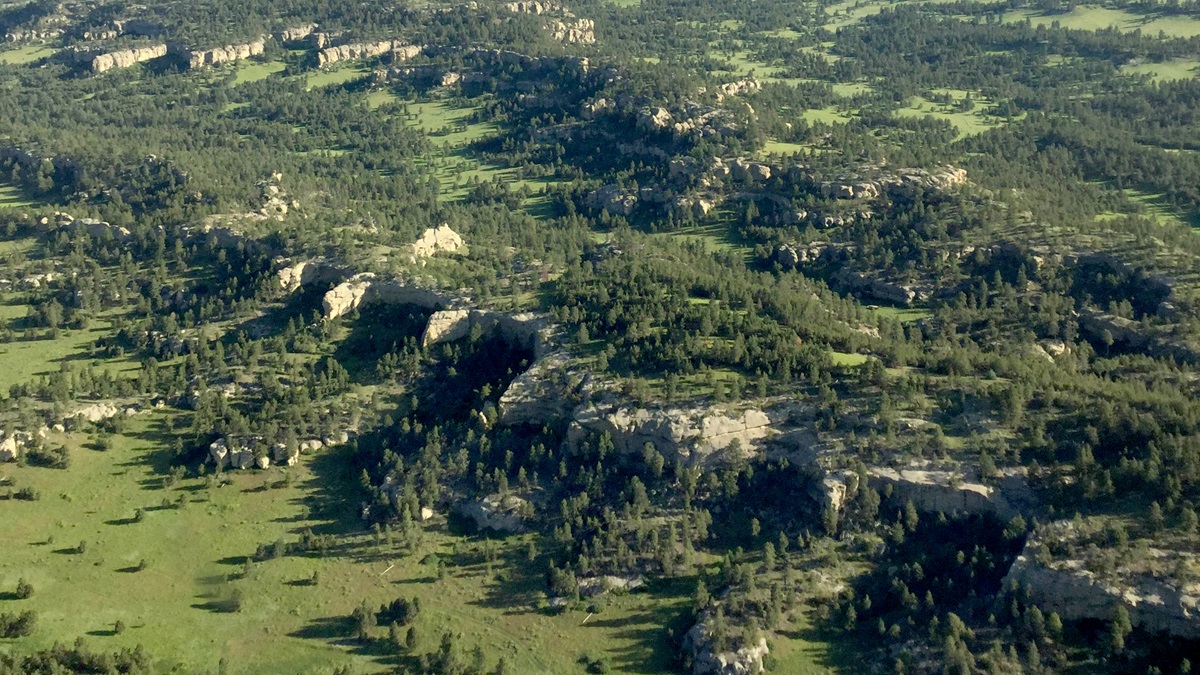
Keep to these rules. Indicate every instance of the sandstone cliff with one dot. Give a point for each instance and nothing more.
(1155, 603)
(126, 57)
(695, 436)
(198, 58)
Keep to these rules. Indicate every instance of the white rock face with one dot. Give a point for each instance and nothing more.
(366, 288)
(296, 33)
(525, 330)
(833, 490)
(225, 453)
(654, 119)
(227, 54)
(432, 241)
(695, 436)
(579, 31)
(293, 277)
(533, 7)
(1065, 586)
(10, 449)
(590, 587)
(96, 412)
(547, 392)
(745, 661)
(948, 492)
(501, 514)
(366, 50)
(127, 57)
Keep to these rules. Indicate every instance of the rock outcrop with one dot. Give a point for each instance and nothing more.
(949, 491)
(525, 330)
(546, 393)
(590, 587)
(11, 448)
(578, 31)
(440, 239)
(1154, 604)
(295, 33)
(365, 50)
(498, 513)
(612, 199)
(198, 58)
(306, 273)
(746, 660)
(834, 490)
(228, 453)
(533, 7)
(125, 58)
(695, 436)
(366, 288)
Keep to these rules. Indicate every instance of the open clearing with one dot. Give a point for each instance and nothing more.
(1176, 69)
(23, 361)
(195, 603)
(968, 123)
(26, 54)
(1092, 18)
(253, 71)
(11, 197)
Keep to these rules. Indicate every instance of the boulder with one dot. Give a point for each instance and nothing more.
(654, 119)
(293, 277)
(590, 587)
(498, 513)
(746, 660)
(218, 453)
(432, 241)
(283, 455)
(10, 449)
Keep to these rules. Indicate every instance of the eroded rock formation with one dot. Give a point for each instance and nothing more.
(1155, 604)
(198, 58)
(125, 58)
(695, 436)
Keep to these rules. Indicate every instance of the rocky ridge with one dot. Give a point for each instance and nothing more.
(198, 58)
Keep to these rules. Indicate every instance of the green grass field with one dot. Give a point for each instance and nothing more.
(335, 76)
(181, 606)
(968, 123)
(22, 361)
(844, 359)
(253, 71)
(26, 54)
(1092, 18)
(1175, 69)
(11, 197)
